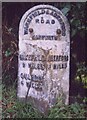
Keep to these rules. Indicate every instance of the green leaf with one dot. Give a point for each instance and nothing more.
(75, 108)
(65, 10)
(8, 53)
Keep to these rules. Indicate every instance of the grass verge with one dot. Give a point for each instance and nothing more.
(13, 108)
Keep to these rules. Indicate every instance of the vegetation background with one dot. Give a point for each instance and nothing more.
(11, 16)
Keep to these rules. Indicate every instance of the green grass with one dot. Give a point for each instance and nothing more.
(75, 110)
(13, 108)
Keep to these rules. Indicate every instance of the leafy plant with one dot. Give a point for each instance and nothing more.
(75, 12)
(75, 110)
(81, 74)
(13, 108)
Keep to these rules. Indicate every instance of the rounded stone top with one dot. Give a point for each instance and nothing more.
(43, 20)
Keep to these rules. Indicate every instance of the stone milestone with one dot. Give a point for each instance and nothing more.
(44, 57)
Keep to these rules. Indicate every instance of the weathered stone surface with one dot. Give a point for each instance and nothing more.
(44, 56)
